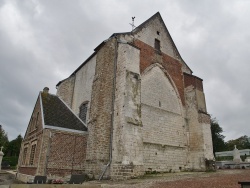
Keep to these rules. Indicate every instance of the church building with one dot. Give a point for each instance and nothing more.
(133, 106)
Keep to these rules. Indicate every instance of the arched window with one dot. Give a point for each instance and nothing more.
(83, 111)
(24, 155)
(32, 154)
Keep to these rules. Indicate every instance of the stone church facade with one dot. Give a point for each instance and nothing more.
(133, 106)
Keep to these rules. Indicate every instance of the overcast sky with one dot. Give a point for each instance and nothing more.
(43, 42)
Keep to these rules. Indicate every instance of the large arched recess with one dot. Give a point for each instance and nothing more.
(164, 133)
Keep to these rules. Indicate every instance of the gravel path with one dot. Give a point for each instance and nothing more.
(219, 179)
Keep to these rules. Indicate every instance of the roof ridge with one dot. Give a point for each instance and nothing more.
(172, 41)
(145, 22)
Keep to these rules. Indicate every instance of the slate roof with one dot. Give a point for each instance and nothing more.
(57, 114)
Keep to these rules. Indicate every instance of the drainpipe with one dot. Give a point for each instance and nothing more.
(112, 111)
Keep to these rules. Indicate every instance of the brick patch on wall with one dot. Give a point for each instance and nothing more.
(194, 81)
(67, 153)
(149, 56)
(27, 170)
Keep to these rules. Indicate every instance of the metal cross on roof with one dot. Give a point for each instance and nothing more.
(132, 24)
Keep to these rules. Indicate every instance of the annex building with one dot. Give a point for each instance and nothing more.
(133, 106)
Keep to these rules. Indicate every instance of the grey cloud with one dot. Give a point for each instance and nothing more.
(43, 42)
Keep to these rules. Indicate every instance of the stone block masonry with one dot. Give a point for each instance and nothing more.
(66, 90)
(100, 111)
(144, 111)
(127, 155)
(162, 158)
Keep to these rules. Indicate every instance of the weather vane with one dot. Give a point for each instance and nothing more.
(132, 24)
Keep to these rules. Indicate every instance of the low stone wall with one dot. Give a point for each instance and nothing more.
(24, 177)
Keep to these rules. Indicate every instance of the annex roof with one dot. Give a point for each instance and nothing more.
(57, 114)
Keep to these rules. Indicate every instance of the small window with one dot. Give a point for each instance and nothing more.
(158, 33)
(32, 154)
(24, 155)
(83, 112)
(157, 45)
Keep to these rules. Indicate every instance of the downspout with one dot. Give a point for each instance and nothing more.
(112, 111)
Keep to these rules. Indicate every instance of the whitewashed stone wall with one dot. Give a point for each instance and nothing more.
(155, 29)
(127, 131)
(149, 33)
(162, 158)
(164, 133)
(198, 127)
(208, 143)
(83, 85)
(201, 103)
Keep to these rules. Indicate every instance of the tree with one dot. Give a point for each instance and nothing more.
(14, 146)
(241, 143)
(217, 137)
(3, 138)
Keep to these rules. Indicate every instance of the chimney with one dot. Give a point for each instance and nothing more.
(46, 90)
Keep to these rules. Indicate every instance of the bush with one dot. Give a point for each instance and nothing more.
(224, 158)
(13, 160)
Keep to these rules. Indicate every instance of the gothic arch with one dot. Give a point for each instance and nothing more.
(161, 109)
(156, 73)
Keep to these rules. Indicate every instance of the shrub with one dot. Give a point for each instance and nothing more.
(13, 160)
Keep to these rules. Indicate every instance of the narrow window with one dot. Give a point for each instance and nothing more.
(24, 155)
(83, 112)
(32, 154)
(157, 45)
(158, 33)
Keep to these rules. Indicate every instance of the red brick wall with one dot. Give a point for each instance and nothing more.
(27, 170)
(149, 56)
(67, 153)
(63, 172)
(194, 81)
(33, 136)
(35, 124)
